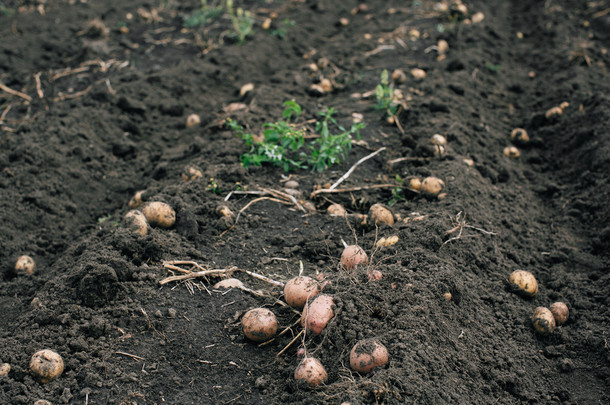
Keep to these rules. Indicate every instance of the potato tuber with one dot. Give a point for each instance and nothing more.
(367, 355)
(46, 365)
(259, 324)
(299, 289)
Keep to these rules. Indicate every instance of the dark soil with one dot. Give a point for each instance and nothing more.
(101, 114)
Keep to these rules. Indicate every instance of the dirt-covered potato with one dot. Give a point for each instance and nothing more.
(259, 324)
(25, 264)
(192, 120)
(418, 74)
(523, 282)
(560, 312)
(353, 256)
(399, 76)
(299, 289)
(229, 283)
(519, 136)
(191, 173)
(159, 214)
(317, 313)
(224, 211)
(543, 320)
(414, 184)
(5, 368)
(512, 152)
(136, 200)
(311, 371)
(136, 222)
(367, 355)
(380, 214)
(336, 210)
(46, 365)
(432, 186)
(554, 112)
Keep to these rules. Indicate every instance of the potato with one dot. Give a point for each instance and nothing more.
(443, 46)
(523, 282)
(519, 136)
(432, 186)
(191, 173)
(399, 76)
(374, 275)
(224, 211)
(367, 355)
(512, 152)
(136, 200)
(477, 17)
(560, 312)
(380, 214)
(42, 402)
(25, 264)
(326, 85)
(136, 222)
(336, 210)
(438, 139)
(418, 74)
(299, 289)
(46, 365)
(317, 313)
(229, 283)
(311, 371)
(259, 324)
(353, 256)
(415, 184)
(5, 368)
(248, 87)
(554, 112)
(192, 120)
(159, 214)
(543, 320)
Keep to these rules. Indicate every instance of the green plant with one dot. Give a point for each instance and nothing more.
(283, 142)
(6, 11)
(203, 16)
(283, 29)
(213, 186)
(384, 92)
(494, 68)
(242, 21)
(397, 192)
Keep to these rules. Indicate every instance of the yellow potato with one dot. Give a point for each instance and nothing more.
(379, 214)
(25, 264)
(46, 365)
(543, 320)
(159, 214)
(524, 283)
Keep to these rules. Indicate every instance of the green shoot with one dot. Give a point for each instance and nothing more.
(213, 186)
(203, 16)
(397, 192)
(242, 21)
(283, 29)
(384, 92)
(283, 142)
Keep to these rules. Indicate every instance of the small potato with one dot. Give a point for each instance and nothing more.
(192, 120)
(326, 85)
(159, 214)
(432, 186)
(353, 256)
(317, 313)
(554, 112)
(543, 320)
(229, 283)
(224, 211)
(42, 402)
(46, 365)
(311, 371)
(367, 355)
(438, 139)
(380, 214)
(523, 282)
(248, 87)
(415, 184)
(374, 275)
(560, 312)
(336, 210)
(477, 17)
(418, 74)
(191, 173)
(136, 200)
(299, 289)
(512, 152)
(5, 368)
(136, 222)
(399, 76)
(259, 324)
(25, 264)
(519, 136)
(443, 46)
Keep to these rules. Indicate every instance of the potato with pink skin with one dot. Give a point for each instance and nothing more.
(299, 289)
(367, 355)
(311, 371)
(353, 256)
(317, 313)
(259, 324)
(560, 312)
